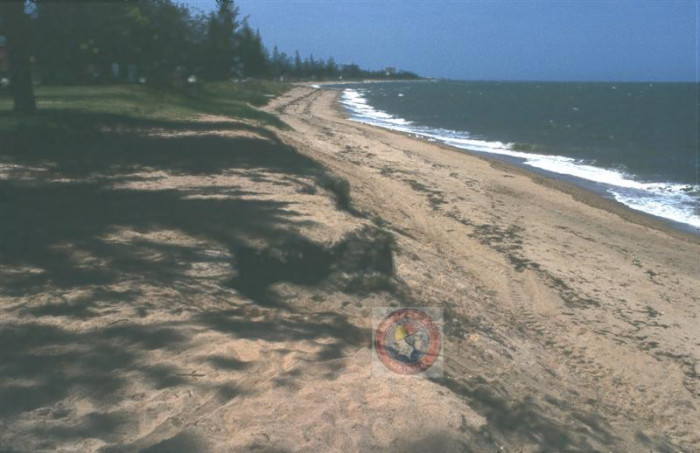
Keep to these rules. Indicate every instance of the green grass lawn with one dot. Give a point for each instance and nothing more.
(57, 104)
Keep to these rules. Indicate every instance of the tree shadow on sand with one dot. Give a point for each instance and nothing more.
(73, 199)
(68, 193)
(67, 187)
(544, 423)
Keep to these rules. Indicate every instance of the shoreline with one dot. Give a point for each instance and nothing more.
(557, 293)
(546, 179)
(564, 183)
(308, 84)
(214, 281)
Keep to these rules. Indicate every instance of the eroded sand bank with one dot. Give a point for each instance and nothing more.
(222, 302)
(565, 304)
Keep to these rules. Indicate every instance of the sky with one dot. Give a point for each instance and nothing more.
(607, 40)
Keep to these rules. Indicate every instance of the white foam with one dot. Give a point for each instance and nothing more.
(363, 112)
(678, 207)
(672, 201)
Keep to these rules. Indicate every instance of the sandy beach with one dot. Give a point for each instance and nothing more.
(225, 306)
(579, 310)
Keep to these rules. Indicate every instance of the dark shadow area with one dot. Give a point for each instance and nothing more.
(183, 442)
(227, 363)
(257, 447)
(110, 426)
(300, 261)
(236, 322)
(39, 214)
(554, 426)
(39, 363)
(42, 218)
(80, 143)
(59, 203)
(443, 442)
(361, 263)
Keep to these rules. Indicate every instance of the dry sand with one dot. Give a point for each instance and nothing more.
(228, 308)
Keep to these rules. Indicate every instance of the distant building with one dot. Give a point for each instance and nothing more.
(390, 71)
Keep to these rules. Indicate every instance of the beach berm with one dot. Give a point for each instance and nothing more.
(203, 282)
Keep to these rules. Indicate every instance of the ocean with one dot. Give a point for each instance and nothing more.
(636, 143)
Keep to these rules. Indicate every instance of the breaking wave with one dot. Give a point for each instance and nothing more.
(673, 201)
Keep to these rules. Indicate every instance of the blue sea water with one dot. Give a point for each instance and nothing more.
(634, 142)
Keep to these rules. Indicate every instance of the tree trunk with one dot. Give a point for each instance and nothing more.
(17, 29)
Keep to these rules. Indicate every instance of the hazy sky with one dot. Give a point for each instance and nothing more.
(490, 40)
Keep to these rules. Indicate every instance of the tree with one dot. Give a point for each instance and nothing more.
(79, 42)
(253, 55)
(298, 65)
(331, 68)
(220, 47)
(165, 41)
(69, 42)
(15, 24)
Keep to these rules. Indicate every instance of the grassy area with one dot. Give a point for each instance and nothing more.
(61, 105)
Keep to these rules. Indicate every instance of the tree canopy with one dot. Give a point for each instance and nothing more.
(157, 41)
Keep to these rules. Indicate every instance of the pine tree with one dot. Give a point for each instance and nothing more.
(298, 65)
(221, 42)
(331, 68)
